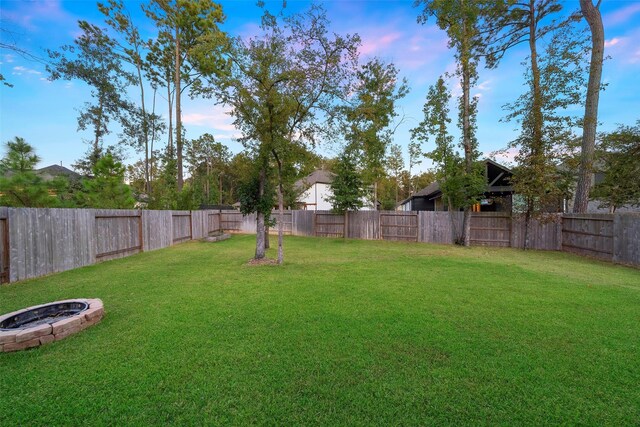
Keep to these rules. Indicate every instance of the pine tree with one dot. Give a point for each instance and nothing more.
(347, 187)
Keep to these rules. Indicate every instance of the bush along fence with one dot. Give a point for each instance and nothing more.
(36, 242)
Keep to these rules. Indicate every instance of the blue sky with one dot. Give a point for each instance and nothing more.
(44, 112)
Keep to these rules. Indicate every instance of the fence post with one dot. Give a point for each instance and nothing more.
(140, 236)
(190, 225)
(346, 225)
(5, 274)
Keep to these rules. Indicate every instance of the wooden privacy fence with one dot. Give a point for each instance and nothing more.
(491, 229)
(326, 224)
(35, 242)
(399, 226)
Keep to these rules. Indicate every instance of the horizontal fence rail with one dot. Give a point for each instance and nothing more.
(35, 242)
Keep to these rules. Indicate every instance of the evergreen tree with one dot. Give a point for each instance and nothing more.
(347, 187)
(20, 186)
(184, 27)
(107, 190)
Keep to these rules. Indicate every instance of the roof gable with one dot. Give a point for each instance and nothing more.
(319, 176)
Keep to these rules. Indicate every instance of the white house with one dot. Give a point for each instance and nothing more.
(317, 189)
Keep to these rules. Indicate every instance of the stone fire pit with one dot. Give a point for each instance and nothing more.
(42, 324)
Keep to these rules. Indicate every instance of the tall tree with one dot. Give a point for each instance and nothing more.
(184, 24)
(593, 17)
(554, 79)
(370, 114)
(277, 84)
(137, 126)
(459, 189)
(94, 60)
(462, 20)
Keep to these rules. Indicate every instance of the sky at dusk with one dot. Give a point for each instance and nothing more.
(45, 112)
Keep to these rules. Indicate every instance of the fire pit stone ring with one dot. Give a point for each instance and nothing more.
(42, 324)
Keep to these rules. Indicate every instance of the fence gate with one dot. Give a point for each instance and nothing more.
(182, 226)
(213, 223)
(117, 234)
(328, 225)
(230, 221)
(399, 226)
(491, 229)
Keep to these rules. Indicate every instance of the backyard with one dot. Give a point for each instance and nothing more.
(347, 332)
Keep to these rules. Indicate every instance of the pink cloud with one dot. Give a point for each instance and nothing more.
(29, 13)
(506, 157)
(622, 15)
(374, 44)
(609, 43)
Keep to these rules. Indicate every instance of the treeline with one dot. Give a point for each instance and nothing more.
(296, 84)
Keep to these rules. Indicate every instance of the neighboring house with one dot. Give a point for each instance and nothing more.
(49, 173)
(315, 189)
(593, 205)
(497, 198)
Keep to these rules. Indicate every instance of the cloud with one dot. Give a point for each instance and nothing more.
(215, 117)
(614, 41)
(484, 86)
(19, 70)
(506, 157)
(622, 15)
(29, 13)
(373, 44)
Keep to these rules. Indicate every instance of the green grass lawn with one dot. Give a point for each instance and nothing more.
(345, 333)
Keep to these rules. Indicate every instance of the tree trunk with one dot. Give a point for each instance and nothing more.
(592, 14)
(527, 225)
(153, 138)
(178, 110)
(170, 102)
(466, 124)
(145, 131)
(454, 227)
(280, 224)
(260, 247)
(260, 223)
(467, 227)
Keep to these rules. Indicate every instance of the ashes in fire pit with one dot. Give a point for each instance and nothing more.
(45, 323)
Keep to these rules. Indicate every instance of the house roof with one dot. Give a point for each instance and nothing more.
(434, 188)
(53, 171)
(319, 176)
